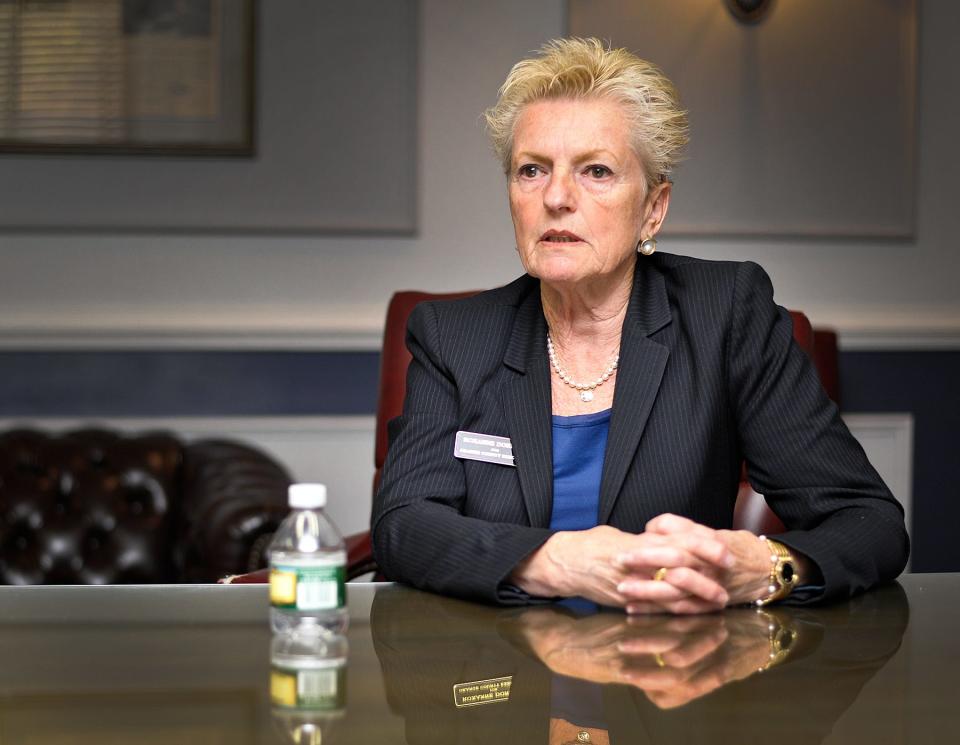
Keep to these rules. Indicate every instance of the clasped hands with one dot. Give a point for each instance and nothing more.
(706, 569)
(672, 660)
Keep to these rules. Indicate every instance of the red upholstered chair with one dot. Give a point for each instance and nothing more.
(826, 360)
(394, 361)
(751, 511)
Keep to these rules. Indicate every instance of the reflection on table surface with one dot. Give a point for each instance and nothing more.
(181, 664)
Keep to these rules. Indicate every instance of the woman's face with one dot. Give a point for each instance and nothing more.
(577, 191)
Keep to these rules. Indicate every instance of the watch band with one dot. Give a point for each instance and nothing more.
(783, 573)
(782, 637)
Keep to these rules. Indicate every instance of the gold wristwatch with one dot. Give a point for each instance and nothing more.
(783, 573)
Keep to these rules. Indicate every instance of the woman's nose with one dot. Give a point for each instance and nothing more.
(560, 192)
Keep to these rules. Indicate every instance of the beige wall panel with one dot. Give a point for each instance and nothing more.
(802, 124)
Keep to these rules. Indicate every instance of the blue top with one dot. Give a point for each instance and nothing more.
(579, 444)
(578, 701)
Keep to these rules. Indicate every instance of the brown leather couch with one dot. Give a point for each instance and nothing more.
(95, 506)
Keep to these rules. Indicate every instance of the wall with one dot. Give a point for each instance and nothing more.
(281, 292)
(318, 291)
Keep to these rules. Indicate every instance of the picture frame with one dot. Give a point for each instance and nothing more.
(128, 77)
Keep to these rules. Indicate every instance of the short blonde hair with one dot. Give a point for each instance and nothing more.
(582, 68)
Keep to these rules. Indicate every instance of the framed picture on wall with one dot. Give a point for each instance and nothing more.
(152, 77)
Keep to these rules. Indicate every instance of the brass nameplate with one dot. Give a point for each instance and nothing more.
(479, 692)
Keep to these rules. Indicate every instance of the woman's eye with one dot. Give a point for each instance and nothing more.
(529, 171)
(599, 172)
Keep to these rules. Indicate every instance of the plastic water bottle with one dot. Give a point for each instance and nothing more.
(308, 568)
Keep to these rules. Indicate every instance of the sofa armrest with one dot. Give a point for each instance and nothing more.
(234, 497)
(359, 562)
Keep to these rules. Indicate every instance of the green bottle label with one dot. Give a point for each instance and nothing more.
(309, 584)
(324, 689)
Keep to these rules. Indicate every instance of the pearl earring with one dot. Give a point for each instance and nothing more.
(647, 247)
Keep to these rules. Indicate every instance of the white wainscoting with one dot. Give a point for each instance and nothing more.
(338, 451)
(888, 442)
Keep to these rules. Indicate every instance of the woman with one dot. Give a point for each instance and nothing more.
(631, 385)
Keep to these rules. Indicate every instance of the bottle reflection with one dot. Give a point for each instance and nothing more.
(308, 685)
(569, 675)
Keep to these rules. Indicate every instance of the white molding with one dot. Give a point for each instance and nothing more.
(912, 340)
(330, 327)
(279, 340)
(193, 427)
(892, 328)
(342, 328)
(857, 337)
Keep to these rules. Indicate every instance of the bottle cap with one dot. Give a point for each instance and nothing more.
(307, 496)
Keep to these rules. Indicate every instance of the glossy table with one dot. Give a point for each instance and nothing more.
(193, 664)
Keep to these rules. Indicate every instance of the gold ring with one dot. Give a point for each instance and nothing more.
(659, 660)
(660, 574)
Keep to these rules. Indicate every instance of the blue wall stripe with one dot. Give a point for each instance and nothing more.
(68, 384)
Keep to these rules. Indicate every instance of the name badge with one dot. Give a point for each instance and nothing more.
(479, 692)
(488, 448)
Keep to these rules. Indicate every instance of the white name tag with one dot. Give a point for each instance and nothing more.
(488, 448)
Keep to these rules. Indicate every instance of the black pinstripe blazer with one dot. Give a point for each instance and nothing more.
(709, 376)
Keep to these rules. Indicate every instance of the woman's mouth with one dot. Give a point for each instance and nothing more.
(560, 236)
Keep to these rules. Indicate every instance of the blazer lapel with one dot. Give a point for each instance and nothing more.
(642, 362)
(527, 403)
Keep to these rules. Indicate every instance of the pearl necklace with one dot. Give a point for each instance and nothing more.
(586, 389)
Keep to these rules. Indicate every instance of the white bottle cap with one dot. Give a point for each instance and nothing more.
(307, 496)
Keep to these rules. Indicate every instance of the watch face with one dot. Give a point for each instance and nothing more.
(787, 575)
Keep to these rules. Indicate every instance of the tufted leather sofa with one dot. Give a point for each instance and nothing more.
(95, 506)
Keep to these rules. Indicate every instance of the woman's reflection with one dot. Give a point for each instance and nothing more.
(564, 673)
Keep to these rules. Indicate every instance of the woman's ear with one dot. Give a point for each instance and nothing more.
(655, 208)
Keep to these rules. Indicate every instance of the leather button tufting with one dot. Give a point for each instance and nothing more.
(96, 506)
